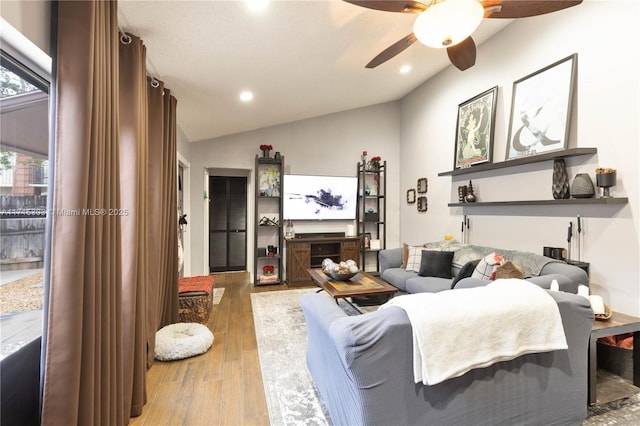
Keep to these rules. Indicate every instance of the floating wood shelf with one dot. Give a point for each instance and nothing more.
(573, 152)
(572, 201)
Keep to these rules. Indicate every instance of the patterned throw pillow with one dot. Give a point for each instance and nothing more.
(414, 258)
(486, 268)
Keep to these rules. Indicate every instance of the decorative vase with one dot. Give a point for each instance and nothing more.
(605, 181)
(265, 153)
(277, 156)
(560, 181)
(582, 186)
(470, 197)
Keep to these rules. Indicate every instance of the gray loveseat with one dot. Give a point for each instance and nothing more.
(362, 367)
(538, 269)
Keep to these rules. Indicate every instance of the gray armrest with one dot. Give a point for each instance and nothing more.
(390, 258)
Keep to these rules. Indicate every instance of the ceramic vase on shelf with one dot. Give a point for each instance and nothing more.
(605, 181)
(265, 153)
(560, 182)
(582, 186)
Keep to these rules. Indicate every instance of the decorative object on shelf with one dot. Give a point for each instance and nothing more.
(470, 197)
(367, 240)
(374, 164)
(289, 231)
(475, 129)
(267, 221)
(411, 196)
(560, 181)
(582, 186)
(605, 179)
(272, 250)
(367, 190)
(541, 109)
(268, 269)
(422, 204)
(363, 157)
(423, 185)
(277, 156)
(462, 192)
(269, 182)
(265, 150)
(374, 244)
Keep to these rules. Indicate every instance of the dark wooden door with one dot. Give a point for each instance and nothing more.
(227, 223)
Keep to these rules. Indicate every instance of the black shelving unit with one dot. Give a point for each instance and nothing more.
(269, 224)
(371, 214)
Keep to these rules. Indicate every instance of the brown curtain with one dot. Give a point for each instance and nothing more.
(133, 173)
(109, 289)
(83, 376)
(163, 217)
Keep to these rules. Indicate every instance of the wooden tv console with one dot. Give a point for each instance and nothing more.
(306, 253)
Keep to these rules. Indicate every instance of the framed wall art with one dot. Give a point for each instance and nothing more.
(475, 129)
(411, 196)
(423, 184)
(541, 110)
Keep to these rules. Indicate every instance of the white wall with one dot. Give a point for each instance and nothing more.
(606, 113)
(326, 145)
(31, 18)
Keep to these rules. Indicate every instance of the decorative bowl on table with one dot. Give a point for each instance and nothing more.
(341, 277)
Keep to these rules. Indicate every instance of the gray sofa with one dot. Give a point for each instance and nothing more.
(539, 269)
(362, 367)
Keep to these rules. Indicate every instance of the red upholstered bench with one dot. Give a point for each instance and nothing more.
(195, 298)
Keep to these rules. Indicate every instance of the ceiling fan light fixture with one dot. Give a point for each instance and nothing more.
(448, 22)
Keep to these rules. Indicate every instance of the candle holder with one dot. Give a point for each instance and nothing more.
(605, 181)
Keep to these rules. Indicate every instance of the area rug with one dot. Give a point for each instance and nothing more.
(282, 346)
(292, 399)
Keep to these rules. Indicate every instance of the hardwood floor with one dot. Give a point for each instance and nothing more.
(222, 386)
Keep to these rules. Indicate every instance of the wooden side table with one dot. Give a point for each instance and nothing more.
(617, 324)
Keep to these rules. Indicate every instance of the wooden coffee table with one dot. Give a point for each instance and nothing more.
(362, 284)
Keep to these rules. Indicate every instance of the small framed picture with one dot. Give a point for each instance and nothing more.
(367, 240)
(423, 184)
(375, 244)
(411, 196)
(475, 129)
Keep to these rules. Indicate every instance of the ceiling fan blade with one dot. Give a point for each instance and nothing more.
(463, 54)
(392, 50)
(404, 6)
(509, 9)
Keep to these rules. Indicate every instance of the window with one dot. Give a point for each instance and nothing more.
(24, 162)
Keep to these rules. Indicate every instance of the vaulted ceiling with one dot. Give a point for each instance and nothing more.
(300, 59)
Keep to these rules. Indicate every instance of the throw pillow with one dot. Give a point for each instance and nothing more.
(414, 259)
(487, 267)
(405, 255)
(509, 270)
(465, 272)
(436, 264)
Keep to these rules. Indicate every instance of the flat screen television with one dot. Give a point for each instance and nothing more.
(319, 197)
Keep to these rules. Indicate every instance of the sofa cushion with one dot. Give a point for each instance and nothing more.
(419, 284)
(487, 267)
(436, 264)
(397, 277)
(465, 272)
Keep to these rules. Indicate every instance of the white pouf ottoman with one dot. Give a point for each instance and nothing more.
(182, 340)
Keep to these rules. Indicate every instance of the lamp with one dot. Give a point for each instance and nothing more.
(448, 22)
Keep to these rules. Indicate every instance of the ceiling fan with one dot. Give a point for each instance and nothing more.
(450, 23)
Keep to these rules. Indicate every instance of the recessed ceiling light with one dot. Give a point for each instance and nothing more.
(257, 5)
(405, 69)
(246, 96)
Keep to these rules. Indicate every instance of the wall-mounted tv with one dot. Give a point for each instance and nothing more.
(319, 197)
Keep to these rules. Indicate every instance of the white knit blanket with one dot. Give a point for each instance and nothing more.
(455, 331)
